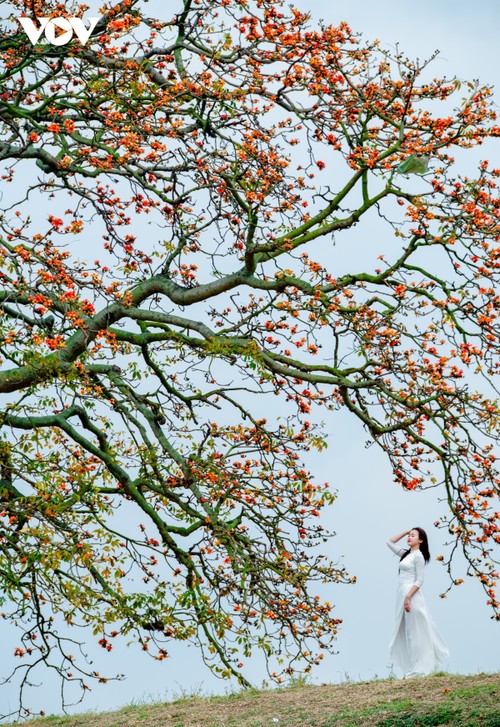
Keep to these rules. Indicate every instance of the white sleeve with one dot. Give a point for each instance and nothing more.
(395, 548)
(419, 569)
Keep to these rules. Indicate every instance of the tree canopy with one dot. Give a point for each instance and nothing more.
(209, 236)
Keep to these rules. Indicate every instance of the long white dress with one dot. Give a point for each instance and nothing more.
(416, 647)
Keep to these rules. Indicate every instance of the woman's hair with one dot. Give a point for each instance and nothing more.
(424, 545)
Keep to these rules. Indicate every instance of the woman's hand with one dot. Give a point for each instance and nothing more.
(408, 598)
(398, 537)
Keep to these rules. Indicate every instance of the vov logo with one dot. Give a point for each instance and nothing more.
(58, 31)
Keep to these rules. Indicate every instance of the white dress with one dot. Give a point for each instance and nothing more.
(416, 647)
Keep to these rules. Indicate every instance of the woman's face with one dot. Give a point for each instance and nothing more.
(414, 539)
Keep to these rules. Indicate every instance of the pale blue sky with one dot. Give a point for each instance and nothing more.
(370, 508)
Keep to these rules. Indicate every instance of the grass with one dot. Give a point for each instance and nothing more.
(442, 700)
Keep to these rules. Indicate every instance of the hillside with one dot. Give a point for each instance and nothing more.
(429, 701)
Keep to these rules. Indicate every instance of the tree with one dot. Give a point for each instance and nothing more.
(197, 172)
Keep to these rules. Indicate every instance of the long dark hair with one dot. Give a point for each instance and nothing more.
(424, 545)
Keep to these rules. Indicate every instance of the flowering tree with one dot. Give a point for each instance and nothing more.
(172, 267)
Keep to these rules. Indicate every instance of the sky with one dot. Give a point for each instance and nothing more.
(369, 508)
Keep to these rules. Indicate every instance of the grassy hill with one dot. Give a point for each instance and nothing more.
(429, 701)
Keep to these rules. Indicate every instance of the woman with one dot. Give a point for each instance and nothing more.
(416, 647)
